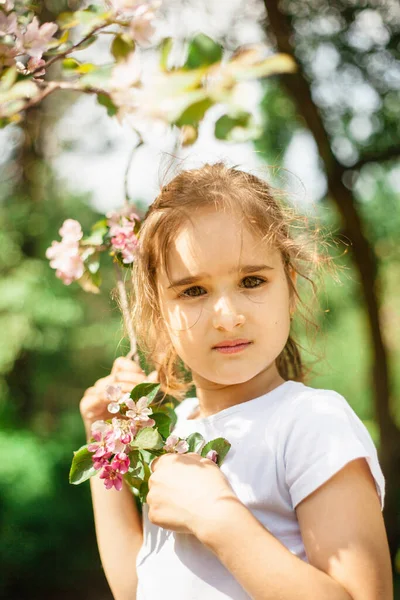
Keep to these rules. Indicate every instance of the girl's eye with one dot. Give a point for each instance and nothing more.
(253, 281)
(191, 292)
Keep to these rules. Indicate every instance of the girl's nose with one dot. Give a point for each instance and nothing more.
(226, 317)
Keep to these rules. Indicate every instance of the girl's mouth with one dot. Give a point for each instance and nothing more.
(232, 349)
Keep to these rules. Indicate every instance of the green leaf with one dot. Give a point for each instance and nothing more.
(8, 78)
(106, 101)
(165, 49)
(82, 466)
(122, 46)
(225, 125)
(194, 113)
(143, 491)
(203, 51)
(70, 64)
(88, 42)
(195, 441)
(148, 439)
(273, 65)
(97, 78)
(163, 423)
(145, 389)
(220, 445)
(25, 88)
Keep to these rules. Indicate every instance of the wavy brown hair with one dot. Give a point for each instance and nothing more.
(254, 200)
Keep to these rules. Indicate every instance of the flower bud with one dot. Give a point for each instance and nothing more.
(212, 455)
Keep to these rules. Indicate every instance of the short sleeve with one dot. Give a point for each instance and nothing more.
(323, 434)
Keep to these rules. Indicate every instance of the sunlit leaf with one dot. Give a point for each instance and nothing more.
(194, 113)
(225, 124)
(195, 441)
(70, 64)
(148, 439)
(220, 445)
(22, 89)
(82, 466)
(8, 78)
(122, 46)
(97, 78)
(203, 51)
(106, 101)
(145, 389)
(273, 65)
(163, 423)
(165, 49)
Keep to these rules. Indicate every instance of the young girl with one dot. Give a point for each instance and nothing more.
(295, 510)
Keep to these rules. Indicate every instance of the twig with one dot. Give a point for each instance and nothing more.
(127, 199)
(72, 49)
(52, 86)
(126, 313)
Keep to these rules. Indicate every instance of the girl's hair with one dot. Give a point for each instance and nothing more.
(219, 187)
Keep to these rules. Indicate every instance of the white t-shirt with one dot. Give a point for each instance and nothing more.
(285, 444)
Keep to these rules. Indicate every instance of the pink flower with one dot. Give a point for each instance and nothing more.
(102, 461)
(106, 439)
(111, 478)
(121, 463)
(212, 455)
(7, 55)
(139, 411)
(113, 393)
(141, 27)
(8, 24)
(64, 256)
(71, 231)
(67, 261)
(173, 444)
(37, 38)
(124, 240)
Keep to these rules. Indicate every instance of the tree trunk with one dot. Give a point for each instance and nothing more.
(365, 261)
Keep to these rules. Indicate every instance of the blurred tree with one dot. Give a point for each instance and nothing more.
(346, 93)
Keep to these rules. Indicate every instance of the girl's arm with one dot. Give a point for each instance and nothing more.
(119, 536)
(117, 519)
(343, 534)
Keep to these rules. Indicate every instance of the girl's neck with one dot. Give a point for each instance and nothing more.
(215, 397)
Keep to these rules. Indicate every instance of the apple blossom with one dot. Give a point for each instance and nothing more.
(173, 444)
(37, 37)
(121, 463)
(138, 411)
(113, 393)
(8, 24)
(111, 478)
(212, 455)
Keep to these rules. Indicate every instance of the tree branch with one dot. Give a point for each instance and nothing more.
(383, 156)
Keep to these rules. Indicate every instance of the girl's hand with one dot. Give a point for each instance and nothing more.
(186, 492)
(93, 406)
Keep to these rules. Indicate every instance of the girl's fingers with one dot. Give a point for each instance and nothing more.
(130, 377)
(103, 382)
(125, 364)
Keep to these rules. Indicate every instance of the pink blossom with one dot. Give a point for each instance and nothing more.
(124, 240)
(140, 410)
(7, 5)
(8, 24)
(114, 217)
(37, 38)
(124, 431)
(102, 461)
(141, 27)
(71, 231)
(67, 261)
(212, 455)
(126, 73)
(106, 439)
(173, 444)
(7, 55)
(113, 393)
(121, 463)
(64, 256)
(111, 478)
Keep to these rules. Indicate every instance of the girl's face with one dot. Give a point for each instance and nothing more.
(235, 289)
